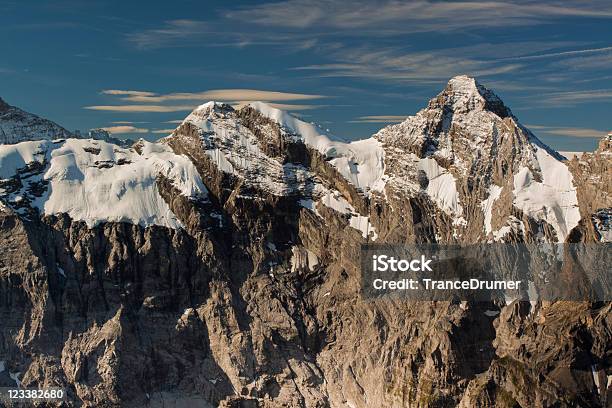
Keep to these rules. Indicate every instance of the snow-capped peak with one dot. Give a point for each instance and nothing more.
(209, 106)
(200, 115)
(464, 93)
(464, 108)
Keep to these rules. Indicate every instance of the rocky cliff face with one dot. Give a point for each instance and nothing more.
(226, 273)
(17, 126)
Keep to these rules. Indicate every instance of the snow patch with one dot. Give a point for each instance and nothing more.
(595, 374)
(362, 223)
(571, 155)
(554, 199)
(16, 156)
(513, 225)
(308, 203)
(533, 295)
(487, 206)
(335, 201)
(60, 270)
(95, 181)
(442, 186)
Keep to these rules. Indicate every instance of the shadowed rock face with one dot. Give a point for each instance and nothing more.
(255, 300)
(3, 105)
(17, 126)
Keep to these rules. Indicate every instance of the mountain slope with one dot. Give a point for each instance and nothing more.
(473, 149)
(221, 265)
(95, 181)
(17, 126)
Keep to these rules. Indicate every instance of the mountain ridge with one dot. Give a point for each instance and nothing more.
(220, 265)
(464, 145)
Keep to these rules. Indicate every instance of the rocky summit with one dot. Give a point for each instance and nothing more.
(219, 266)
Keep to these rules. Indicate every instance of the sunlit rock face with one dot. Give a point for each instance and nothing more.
(219, 266)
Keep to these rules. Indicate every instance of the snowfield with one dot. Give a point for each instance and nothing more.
(554, 199)
(95, 181)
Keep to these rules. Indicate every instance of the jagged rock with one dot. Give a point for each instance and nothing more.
(251, 296)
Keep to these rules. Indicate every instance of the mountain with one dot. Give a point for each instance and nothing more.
(17, 126)
(220, 266)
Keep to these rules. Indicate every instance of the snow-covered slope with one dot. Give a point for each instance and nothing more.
(17, 126)
(235, 150)
(464, 156)
(95, 181)
(468, 147)
(360, 162)
(553, 198)
(248, 145)
(464, 151)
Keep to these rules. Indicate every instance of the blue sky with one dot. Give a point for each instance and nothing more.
(137, 67)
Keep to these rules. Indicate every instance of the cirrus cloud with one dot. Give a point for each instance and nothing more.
(141, 108)
(238, 97)
(379, 119)
(568, 131)
(123, 129)
(126, 92)
(163, 131)
(412, 16)
(217, 95)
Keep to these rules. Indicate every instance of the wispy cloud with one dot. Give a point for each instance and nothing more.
(172, 33)
(413, 16)
(123, 92)
(568, 131)
(379, 119)
(163, 131)
(141, 108)
(573, 98)
(216, 32)
(216, 94)
(561, 54)
(584, 63)
(303, 24)
(126, 122)
(124, 129)
(394, 63)
(238, 97)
